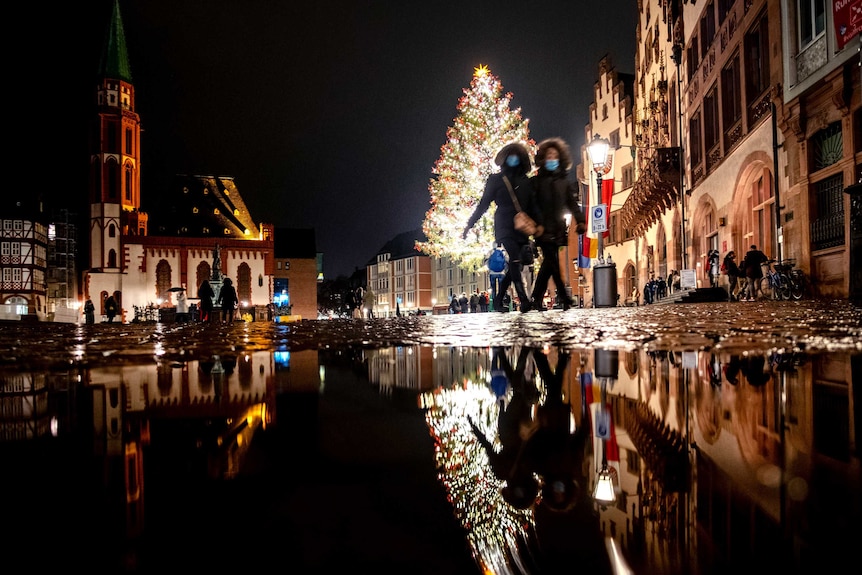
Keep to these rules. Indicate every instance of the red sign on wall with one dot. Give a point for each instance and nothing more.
(847, 15)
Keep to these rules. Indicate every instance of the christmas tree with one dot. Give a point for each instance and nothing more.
(484, 124)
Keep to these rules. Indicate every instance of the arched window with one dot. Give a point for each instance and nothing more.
(754, 218)
(17, 304)
(112, 231)
(243, 282)
(705, 235)
(202, 274)
(112, 258)
(128, 183)
(660, 264)
(163, 281)
(629, 280)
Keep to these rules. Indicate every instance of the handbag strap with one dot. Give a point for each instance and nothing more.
(512, 193)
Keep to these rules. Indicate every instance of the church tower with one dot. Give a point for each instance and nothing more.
(115, 156)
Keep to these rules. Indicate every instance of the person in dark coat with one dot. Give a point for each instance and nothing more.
(206, 295)
(228, 300)
(111, 308)
(464, 303)
(753, 260)
(89, 312)
(733, 273)
(515, 164)
(556, 195)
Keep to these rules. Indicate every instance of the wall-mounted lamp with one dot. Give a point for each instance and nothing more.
(722, 222)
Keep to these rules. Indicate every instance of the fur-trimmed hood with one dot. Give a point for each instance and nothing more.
(515, 148)
(561, 146)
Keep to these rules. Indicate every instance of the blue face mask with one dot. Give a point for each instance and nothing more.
(513, 161)
(552, 165)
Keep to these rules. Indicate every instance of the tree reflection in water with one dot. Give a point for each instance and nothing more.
(721, 460)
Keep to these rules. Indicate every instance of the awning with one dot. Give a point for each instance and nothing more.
(654, 192)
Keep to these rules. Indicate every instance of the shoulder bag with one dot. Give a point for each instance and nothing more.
(523, 222)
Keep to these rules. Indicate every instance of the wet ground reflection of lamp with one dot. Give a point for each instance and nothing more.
(606, 368)
(604, 490)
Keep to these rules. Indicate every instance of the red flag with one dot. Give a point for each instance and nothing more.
(607, 199)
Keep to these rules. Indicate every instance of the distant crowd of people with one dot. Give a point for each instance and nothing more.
(478, 302)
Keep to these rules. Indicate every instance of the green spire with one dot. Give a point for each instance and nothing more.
(115, 57)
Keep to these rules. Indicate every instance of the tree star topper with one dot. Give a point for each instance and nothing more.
(480, 71)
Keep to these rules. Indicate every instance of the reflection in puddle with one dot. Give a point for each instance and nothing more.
(716, 461)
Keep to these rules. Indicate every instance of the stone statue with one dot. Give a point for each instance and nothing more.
(216, 275)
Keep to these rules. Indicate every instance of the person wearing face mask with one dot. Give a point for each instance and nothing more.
(515, 164)
(556, 196)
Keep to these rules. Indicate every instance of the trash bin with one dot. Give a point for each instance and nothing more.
(605, 285)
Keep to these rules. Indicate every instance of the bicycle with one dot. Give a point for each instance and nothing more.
(774, 283)
(795, 277)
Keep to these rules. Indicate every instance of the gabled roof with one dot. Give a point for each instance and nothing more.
(295, 243)
(402, 246)
(204, 206)
(114, 62)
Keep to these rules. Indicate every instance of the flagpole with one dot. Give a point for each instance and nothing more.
(598, 150)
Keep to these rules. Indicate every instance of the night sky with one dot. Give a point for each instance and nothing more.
(328, 114)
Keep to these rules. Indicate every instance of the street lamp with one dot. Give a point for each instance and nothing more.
(598, 150)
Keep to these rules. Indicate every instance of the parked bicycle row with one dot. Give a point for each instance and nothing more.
(761, 277)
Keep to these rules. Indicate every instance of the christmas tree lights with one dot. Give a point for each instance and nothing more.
(498, 534)
(485, 123)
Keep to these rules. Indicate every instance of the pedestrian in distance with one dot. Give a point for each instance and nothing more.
(497, 264)
(454, 305)
(89, 312)
(206, 295)
(730, 267)
(182, 307)
(556, 195)
(228, 300)
(474, 302)
(754, 258)
(111, 308)
(713, 268)
(515, 166)
(464, 302)
(368, 300)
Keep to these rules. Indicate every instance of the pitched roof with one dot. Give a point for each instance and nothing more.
(402, 246)
(114, 62)
(204, 206)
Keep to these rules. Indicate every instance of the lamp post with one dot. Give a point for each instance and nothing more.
(598, 150)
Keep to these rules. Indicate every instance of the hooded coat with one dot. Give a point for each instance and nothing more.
(556, 195)
(497, 192)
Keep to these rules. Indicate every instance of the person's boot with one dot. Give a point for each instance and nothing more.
(536, 303)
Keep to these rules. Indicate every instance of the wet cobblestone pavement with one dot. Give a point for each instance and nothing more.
(807, 326)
